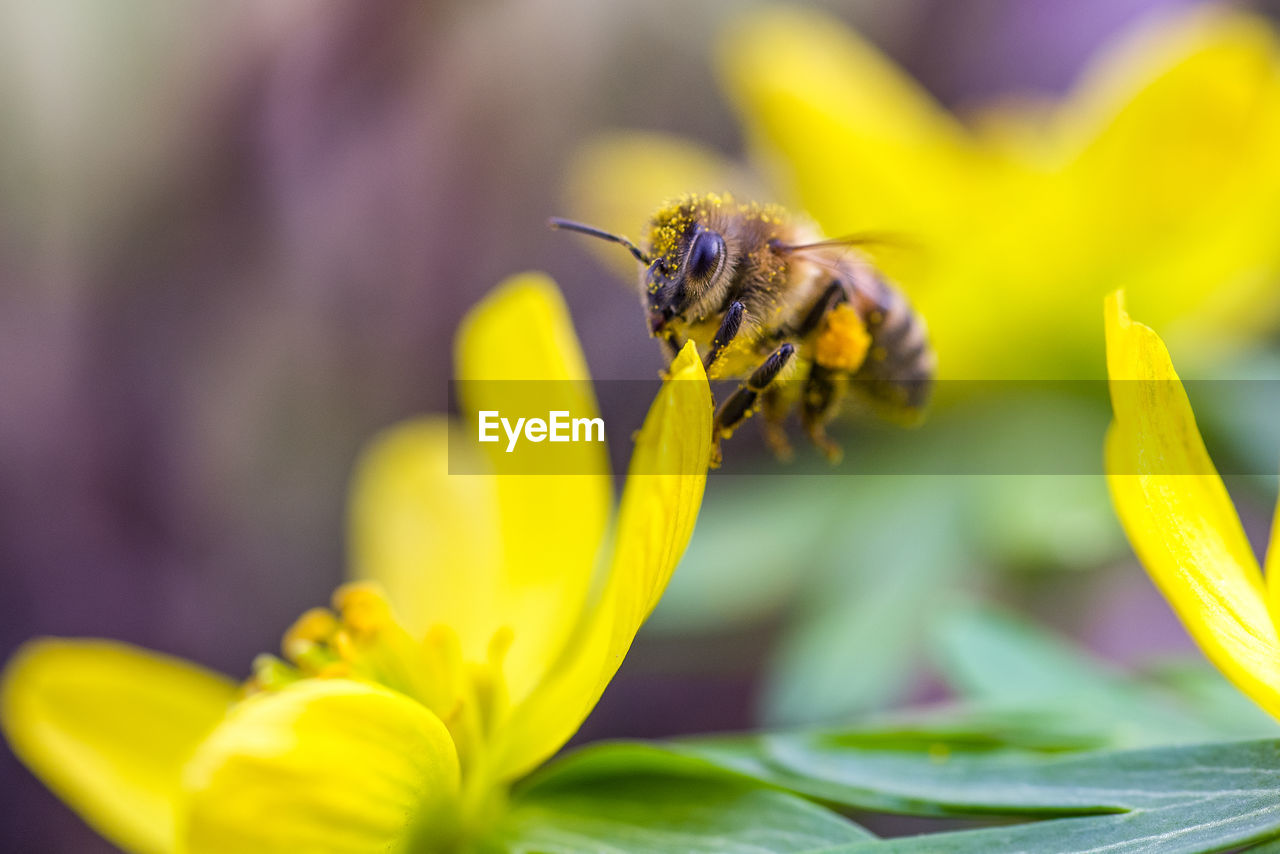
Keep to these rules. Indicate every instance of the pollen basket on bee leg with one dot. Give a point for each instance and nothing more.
(843, 343)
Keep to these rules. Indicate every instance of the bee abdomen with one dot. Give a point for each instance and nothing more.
(899, 367)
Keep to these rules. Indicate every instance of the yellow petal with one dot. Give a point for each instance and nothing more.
(489, 553)
(1273, 568)
(864, 149)
(1158, 174)
(326, 766)
(520, 331)
(1167, 75)
(431, 539)
(1177, 514)
(517, 354)
(864, 146)
(616, 181)
(659, 507)
(1177, 127)
(108, 727)
(484, 553)
(660, 504)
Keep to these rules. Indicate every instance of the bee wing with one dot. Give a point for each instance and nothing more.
(834, 254)
(832, 262)
(858, 240)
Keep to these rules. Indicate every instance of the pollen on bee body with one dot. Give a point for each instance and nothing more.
(558, 426)
(844, 340)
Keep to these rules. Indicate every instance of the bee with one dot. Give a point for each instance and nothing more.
(801, 322)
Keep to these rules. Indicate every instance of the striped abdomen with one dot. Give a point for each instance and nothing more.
(898, 371)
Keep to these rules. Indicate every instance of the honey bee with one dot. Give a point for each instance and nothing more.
(767, 300)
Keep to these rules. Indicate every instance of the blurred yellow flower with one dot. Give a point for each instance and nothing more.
(1160, 171)
(1179, 518)
(399, 719)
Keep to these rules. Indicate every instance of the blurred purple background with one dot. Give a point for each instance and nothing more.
(235, 240)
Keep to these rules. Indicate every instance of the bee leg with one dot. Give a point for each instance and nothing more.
(831, 297)
(774, 406)
(725, 334)
(671, 344)
(822, 394)
(741, 403)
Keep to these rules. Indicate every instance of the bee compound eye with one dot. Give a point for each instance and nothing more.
(706, 256)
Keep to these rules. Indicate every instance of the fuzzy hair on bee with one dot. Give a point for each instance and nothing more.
(766, 299)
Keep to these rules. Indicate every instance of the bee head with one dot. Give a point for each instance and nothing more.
(693, 256)
(676, 281)
(686, 273)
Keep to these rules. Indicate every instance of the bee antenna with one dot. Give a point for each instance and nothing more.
(568, 225)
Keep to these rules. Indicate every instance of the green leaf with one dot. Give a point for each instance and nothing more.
(858, 638)
(734, 573)
(836, 556)
(1215, 824)
(1188, 798)
(1239, 417)
(641, 800)
(1209, 797)
(1202, 688)
(1036, 522)
(959, 779)
(988, 655)
(999, 661)
(861, 566)
(622, 758)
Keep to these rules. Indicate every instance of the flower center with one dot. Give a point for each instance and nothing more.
(361, 638)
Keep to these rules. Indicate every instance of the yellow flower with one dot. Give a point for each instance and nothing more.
(1179, 518)
(1160, 171)
(396, 721)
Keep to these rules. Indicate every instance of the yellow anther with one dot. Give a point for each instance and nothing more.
(268, 674)
(335, 670)
(443, 637)
(363, 606)
(499, 645)
(443, 682)
(313, 628)
(843, 343)
(488, 698)
(344, 646)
